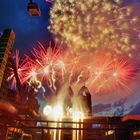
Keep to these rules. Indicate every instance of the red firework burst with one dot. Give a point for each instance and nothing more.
(108, 74)
(21, 67)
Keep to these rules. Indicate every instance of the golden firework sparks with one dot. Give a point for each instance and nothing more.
(94, 24)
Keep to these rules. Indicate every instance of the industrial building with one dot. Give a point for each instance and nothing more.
(6, 42)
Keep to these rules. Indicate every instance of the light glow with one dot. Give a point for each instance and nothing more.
(47, 110)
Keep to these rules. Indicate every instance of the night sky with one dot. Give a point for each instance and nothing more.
(29, 30)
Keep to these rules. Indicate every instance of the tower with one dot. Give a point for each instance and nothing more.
(6, 43)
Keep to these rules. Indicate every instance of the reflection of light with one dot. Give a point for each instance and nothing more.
(96, 125)
(58, 111)
(135, 133)
(47, 110)
(110, 132)
(57, 115)
(78, 115)
(69, 111)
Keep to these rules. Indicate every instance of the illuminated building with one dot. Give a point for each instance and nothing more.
(6, 43)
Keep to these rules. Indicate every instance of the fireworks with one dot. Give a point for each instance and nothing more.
(94, 24)
(111, 75)
(21, 67)
(100, 72)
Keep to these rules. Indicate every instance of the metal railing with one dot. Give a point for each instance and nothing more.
(86, 126)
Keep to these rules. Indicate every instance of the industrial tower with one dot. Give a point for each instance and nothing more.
(6, 43)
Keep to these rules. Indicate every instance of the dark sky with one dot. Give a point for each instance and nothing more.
(28, 30)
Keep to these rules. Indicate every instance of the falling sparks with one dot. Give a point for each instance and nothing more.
(92, 24)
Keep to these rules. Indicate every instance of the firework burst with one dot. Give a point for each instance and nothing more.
(21, 66)
(46, 64)
(112, 75)
(94, 24)
(101, 72)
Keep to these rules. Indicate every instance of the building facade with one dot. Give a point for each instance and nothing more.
(6, 42)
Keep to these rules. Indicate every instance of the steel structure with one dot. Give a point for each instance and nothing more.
(92, 128)
(6, 42)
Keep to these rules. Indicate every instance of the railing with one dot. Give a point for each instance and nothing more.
(81, 130)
